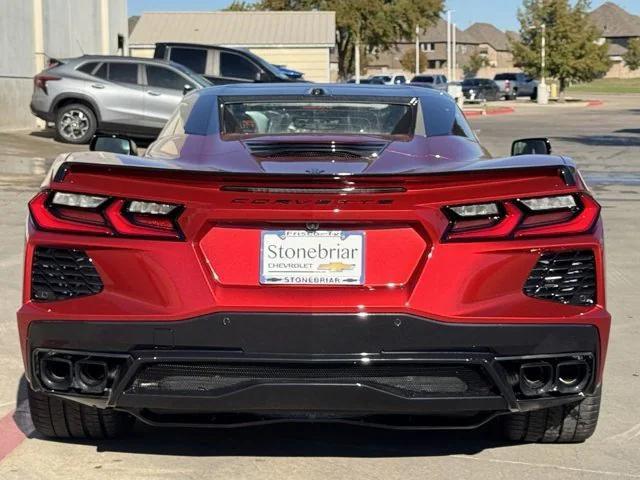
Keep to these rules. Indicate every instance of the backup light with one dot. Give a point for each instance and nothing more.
(150, 208)
(477, 210)
(77, 200)
(549, 203)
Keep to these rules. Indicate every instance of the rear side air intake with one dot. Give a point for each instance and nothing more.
(58, 274)
(567, 277)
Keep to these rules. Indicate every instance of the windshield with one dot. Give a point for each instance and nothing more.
(505, 76)
(317, 117)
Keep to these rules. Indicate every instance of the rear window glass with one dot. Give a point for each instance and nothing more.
(87, 67)
(423, 79)
(505, 76)
(470, 83)
(316, 117)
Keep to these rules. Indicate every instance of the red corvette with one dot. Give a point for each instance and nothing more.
(315, 253)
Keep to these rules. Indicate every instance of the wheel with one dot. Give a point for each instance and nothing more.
(534, 94)
(58, 418)
(572, 423)
(75, 123)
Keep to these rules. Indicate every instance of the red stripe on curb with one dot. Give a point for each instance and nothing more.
(493, 111)
(10, 435)
(594, 103)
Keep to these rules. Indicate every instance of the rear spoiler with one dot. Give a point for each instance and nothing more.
(565, 167)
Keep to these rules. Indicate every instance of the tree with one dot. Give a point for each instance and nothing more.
(475, 62)
(632, 55)
(408, 60)
(376, 24)
(572, 53)
(240, 6)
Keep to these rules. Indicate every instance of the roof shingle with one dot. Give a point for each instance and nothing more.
(438, 34)
(615, 21)
(487, 33)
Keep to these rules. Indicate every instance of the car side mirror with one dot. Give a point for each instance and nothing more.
(531, 146)
(114, 144)
(259, 76)
(186, 89)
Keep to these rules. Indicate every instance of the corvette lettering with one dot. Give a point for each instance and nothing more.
(310, 202)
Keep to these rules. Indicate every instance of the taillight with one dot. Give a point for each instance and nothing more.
(40, 81)
(97, 215)
(519, 218)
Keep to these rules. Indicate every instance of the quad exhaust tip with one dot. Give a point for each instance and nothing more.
(91, 375)
(536, 378)
(572, 376)
(56, 373)
(88, 375)
(564, 377)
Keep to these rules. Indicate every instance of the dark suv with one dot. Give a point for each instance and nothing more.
(110, 94)
(222, 65)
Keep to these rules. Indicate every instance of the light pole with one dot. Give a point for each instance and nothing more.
(417, 50)
(357, 59)
(448, 44)
(454, 60)
(543, 96)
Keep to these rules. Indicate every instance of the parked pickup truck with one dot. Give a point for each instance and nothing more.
(516, 84)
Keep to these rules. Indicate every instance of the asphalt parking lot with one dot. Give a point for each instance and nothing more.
(605, 142)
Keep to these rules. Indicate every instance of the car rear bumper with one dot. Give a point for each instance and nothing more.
(42, 113)
(232, 369)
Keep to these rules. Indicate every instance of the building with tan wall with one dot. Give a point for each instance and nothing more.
(618, 27)
(298, 40)
(493, 44)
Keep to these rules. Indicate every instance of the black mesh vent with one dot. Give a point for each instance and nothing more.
(58, 274)
(567, 277)
(306, 149)
(220, 378)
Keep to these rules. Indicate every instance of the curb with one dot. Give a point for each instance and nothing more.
(494, 111)
(10, 435)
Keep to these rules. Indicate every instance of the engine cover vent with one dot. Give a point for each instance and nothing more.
(315, 149)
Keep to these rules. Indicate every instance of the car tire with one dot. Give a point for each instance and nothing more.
(58, 418)
(572, 423)
(534, 94)
(75, 123)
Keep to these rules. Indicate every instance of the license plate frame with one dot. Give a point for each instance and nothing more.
(332, 257)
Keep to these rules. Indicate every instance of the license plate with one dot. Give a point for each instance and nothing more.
(300, 257)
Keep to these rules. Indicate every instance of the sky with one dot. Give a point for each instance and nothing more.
(502, 13)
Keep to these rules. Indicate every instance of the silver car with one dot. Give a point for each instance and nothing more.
(110, 94)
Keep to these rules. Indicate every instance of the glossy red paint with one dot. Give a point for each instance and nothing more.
(409, 267)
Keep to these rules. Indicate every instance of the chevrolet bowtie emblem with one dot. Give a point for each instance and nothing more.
(336, 267)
